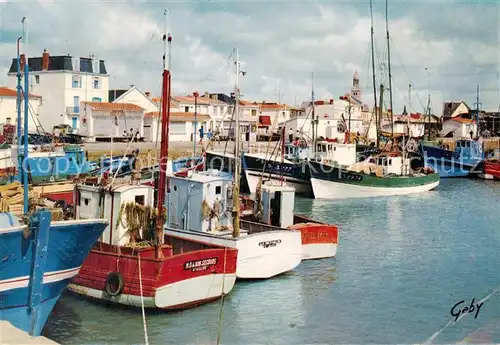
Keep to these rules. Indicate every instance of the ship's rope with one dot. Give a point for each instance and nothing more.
(221, 311)
(137, 219)
(146, 340)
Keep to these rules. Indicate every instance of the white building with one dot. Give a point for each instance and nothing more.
(206, 104)
(273, 113)
(64, 82)
(102, 120)
(8, 107)
(334, 118)
(458, 127)
(181, 127)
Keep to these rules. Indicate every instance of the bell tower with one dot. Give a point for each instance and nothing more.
(356, 89)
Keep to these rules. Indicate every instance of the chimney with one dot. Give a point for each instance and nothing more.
(45, 60)
(147, 93)
(23, 61)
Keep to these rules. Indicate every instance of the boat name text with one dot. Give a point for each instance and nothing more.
(200, 265)
(267, 244)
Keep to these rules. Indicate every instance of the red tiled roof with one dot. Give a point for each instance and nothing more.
(462, 120)
(6, 92)
(113, 107)
(157, 100)
(178, 116)
(271, 106)
(248, 103)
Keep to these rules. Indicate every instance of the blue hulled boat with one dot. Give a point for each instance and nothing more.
(38, 258)
(468, 154)
(38, 262)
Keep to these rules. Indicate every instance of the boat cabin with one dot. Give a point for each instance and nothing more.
(277, 205)
(202, 202)
(296, 152)
(94, 202)
(467, 148)
(336, 153)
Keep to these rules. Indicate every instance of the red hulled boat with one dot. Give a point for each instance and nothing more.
(492, 168)
(134, 263)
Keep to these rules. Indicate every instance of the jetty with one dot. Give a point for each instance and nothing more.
(10, 335)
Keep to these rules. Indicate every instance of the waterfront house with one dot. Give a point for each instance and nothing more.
(458, 127)
(8, 107)
(181, 128)
(63, 82)
(454, 109)
(103, 121)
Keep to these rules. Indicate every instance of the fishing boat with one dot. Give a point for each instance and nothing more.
(295, 173)
(386, 175)
(272, 207)
(466, 157)
(135, 263)
(264, 251)
(39, 256)
(491, 166)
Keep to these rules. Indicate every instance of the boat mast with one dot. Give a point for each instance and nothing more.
(313, 122)
(26, 104)
(165, 118)
(389, 67)
(373, 76)
(19, 92)
(237, 162)
(477, 111)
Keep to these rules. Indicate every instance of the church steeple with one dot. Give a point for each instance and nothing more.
(356, 89)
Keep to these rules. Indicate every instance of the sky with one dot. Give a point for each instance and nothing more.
(442, 48)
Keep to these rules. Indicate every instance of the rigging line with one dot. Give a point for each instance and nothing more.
(405, 71)
(435, 335)
(218, 69)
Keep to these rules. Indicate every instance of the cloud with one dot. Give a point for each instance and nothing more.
(280, 44)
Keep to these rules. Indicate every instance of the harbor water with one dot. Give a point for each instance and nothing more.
(402, 264)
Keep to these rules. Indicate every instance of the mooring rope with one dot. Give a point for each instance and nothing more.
(222, 298)
(146, 340)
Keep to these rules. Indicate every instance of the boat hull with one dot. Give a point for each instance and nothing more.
(448, 163)
(300, 186)
(492, 169)
(69, 243)
(319, 240)
(260, 255)
(334, 183)
(170, 283)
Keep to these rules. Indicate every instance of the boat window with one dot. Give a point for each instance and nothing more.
(139, 199)
(86, 201)
(329, 147)
(218, 190)
(335, 148)
(390, 161)
(175, 188)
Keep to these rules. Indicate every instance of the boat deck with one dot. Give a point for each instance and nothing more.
(12, 335)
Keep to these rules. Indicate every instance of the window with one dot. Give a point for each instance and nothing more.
(76, 81)
(8, 120)
(37, 79)
(139, 199)
(96, 99)
(95, 84)
(218, 190)
(254, 112)
(186, 109)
